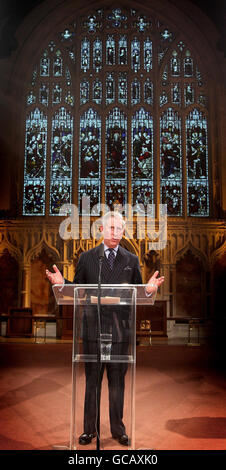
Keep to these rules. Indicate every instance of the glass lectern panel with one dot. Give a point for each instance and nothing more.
(104, 346)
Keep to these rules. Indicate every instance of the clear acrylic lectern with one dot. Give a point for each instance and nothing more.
(104, 346)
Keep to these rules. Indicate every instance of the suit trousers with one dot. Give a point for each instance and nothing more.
(116, 385)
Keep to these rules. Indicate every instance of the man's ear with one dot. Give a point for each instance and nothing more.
(101, 228)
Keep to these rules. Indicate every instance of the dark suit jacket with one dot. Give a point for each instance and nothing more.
(113, 319)
(126, 268)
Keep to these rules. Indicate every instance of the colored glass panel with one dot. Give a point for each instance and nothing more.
(135, 54)
(61, 160)
(171, 161)
(90, 145)
(44, 94)
(110, 50)
(110, 88)
(148, 91)
(84, 91)
(122, 50)
(142, 157)
(122, 88)
(116, 156)
(85, 54)
(91, 189)
(147, 55)
(188, 65)
(163, 99)
(56, 94)
(31, 98)
(189, 94)
(97, 55)
(97, 91)
(92, 24)
(90, 156)
(57, 64)
(44, 65)
(135, 92)
(175, 64)
(197, 163)
(176, 93)
(35, 164)
(116, 17)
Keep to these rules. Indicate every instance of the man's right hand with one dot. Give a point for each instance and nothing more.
(55, 278)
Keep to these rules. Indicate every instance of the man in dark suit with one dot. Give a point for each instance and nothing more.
(119, 266)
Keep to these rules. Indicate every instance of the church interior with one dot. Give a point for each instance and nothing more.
(121, 104)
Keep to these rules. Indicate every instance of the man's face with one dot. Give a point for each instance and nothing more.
(113, 231)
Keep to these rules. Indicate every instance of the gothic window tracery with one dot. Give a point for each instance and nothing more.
(134, 93)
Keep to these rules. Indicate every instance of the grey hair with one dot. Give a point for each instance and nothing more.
(113, 214)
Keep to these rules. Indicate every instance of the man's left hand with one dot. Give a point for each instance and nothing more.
(153, 283)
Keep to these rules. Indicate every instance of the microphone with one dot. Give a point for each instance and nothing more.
(101, 251)
(98, 385)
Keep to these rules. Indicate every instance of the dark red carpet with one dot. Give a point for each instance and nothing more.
(180, 398)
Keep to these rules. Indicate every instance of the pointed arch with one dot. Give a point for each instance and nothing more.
(201, 256)
(121, 57)
(35, 251)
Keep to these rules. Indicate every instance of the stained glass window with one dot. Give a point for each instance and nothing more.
(44, 65)
(163, 99)
(68, 76)
(31, 98)
(176, 93)
(44, 94)
(135, 54)
(85, 55)
(122, 88)
(57, 64)
(166, 37)
(110, 51)
(61, 160)
(97, 91)
(165, 76)
(135, 91)
(110, 88)
(148, 92)
(197, 163)
(116, 157)
(92, 24)
(69, 98)
(142, 157)
(84, 91)
(97, 55)
(116, 17)
(122, 50)
(188, 65)
(35, 163)
(171, 161)
(124, 82)
(175, 64)
(142, 24)
(147, 54)
(57, 94)
(90, 156)
(189, 94)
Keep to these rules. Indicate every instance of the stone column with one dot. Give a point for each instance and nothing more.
(26, 285)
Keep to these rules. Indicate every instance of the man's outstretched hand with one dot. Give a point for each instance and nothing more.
(56, 277)
(154, 282)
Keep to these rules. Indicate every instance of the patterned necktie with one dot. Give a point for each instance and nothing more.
(111, 258)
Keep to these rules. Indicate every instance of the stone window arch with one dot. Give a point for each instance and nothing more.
(117, 109)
